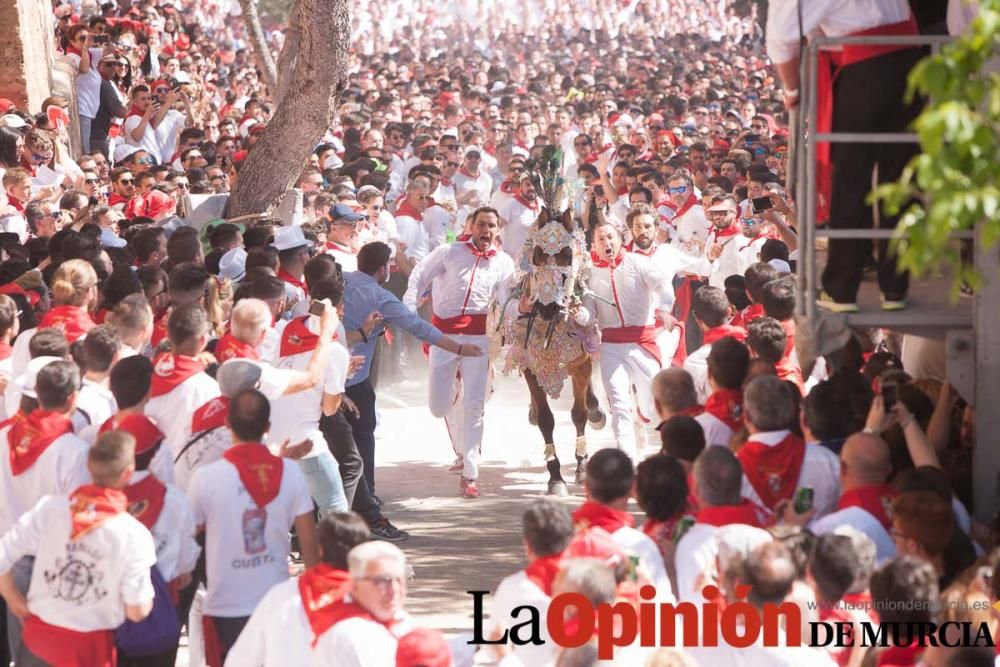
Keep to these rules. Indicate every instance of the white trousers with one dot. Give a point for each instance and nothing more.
(464, 416)
(625, 366)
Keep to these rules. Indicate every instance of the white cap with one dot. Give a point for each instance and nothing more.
(12, 120)
(290, 237)
(233, 264)
(31, 374)
(110, 240)
(781, 265)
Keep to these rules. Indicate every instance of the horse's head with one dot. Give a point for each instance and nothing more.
(555, 266)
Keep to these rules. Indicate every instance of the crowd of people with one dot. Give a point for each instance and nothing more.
(190, 409)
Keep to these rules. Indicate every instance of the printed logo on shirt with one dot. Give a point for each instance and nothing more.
(77, 578)
(254, 523)
(165, 366)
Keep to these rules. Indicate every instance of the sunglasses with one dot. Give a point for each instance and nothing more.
(183, 186)
(144, 160)
(680, 189)
(40, 158)
(126, 181)
(89, 181)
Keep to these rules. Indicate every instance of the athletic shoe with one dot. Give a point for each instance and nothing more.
(893, 302)
(826, 301)
(457, 466)
(469, 488)
(385, 531)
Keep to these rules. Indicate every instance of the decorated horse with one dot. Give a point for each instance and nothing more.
(547, 344)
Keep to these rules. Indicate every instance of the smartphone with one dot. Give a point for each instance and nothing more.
(317, 308)
(889, 396)
(751, 139)
(101, 39)
(803, 499)
(761, 204)
(599, 190)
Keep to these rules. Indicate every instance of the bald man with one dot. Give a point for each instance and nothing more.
(865, 498)
(674, 394)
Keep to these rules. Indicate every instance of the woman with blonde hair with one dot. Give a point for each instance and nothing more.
(74, 293)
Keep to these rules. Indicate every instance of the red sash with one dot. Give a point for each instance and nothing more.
(726, 405)
(830, 64)
(231, 347)
(296, 338)
(210, 416)
(542, 572)
(594, 515)
(30, 435)
(682, 301)
(68, 648)
(716, 334)
(773, 471)
(645, 337)
(73, 321)
(170, 370)
(470, 324)
(292, 280)
(90, 506)
(876, 500)
(321, 587)
(259, 469)
(146, 499)
(746, 513)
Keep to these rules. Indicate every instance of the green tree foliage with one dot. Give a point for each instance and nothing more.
(954, 184)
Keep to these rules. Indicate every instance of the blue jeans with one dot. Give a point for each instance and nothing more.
(325, 486)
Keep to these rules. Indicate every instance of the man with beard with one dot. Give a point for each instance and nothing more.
(726, 248)
(463, 278)
(518, 215)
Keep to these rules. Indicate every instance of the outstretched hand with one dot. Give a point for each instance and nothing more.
(294, 452)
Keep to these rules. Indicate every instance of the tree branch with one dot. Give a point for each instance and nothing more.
(259, 44)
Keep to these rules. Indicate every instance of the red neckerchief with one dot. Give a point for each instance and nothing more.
(259, 470)
(591, 514)
(876, 500)
(114, 199)
(18, 206)
(321, 587)
(169, 370)
(489, 252)
(145, 500)
(751, 313)
(468, 174)
(31, 434)
(726, 232)
(773, 472)
(5, 351)
(100, 316)
(231, 347)
(507, 187)
(523, 201)
(746, 513)
(90, 506)
(601, 263)
(786, 370)
(406, 209)
(901, 656)
(73, 321)
(133, 111)
(632, 247)
(159, 328)
(292, 280)
(210, 416)
(769, 234)
(446, 182)
(296, 338)
(333, 245)
(72, 49)
(691, 201)
(726, 405)
(542, 571)
(716, 334)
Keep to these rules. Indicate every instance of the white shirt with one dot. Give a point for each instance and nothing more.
(95, 404)
(346, 257)
(278, 632)
(863, 521)
(82, 584)
(296, 416)
(831, 18)
(820, 471)
(692, 231)
(88, 85)
(413, 233)
(173, 533)
(515, 591)
(167, 133)
(357, 642)
(148, 142)
(518, 220)
(172, 411)
(61, 468)
(482, 185)
(717, 432)
(636, 543)
(696, 364)
(737, 256)
(632, 287)
(437, 222)
(461, 282)
(246, 547)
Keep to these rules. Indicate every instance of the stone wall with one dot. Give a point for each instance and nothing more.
(26, 52)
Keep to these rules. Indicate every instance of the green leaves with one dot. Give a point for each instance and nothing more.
(954, 184)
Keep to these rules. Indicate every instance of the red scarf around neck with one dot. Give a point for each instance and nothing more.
(468, 174)
(405, 209)
(146, 499)
(773, 471)
(297, 338)
(543, 571)
(73, 321)
(259, 470)
(601, 263)
(876, 500)
(751, 313)
(746, 513)
(31, 434)
(688, 204)
(526, 203)
(90, 506)
(133, 110)
(489, 252)
(170, 370)
(292, 280)
(595, 515)
(321, 588)
(726, 405)
(210, 416)
(715, 233)
(5, 351)
(231, 347)
(715, 334)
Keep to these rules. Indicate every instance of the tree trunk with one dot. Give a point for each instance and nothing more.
(259, 44)
(286, 63)
(304, 113)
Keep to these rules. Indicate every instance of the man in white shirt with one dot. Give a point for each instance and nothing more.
(689, 220)
(410, 223)
(710, 308)
(247, 502)
(371, 618)
(92, 564)
(144, 116)
(342, 236)
(294, 614)
(180, 384)
(133, 319)
(728, 364)
(518, 215)
(95, 402)
(169, 129)
(473, 186)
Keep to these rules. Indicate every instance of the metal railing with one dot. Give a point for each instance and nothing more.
(805, 160)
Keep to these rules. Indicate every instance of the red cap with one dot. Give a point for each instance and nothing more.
(720, 145)
(6, 105)
(595, 543)
(423, 647)
(158, 203)
(146, 434)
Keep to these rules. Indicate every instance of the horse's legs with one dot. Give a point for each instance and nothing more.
(580, 375)
(595, 415)
(547, 425)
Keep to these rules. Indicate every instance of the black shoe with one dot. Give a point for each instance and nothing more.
(383, 530)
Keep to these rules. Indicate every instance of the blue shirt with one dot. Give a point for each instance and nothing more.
(362, 296)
